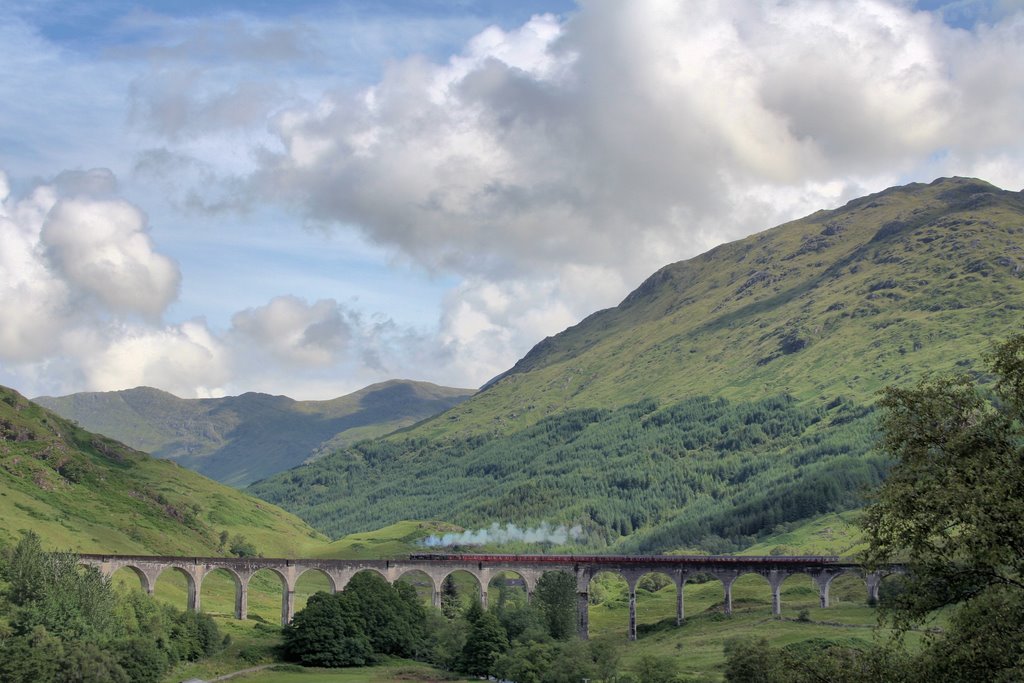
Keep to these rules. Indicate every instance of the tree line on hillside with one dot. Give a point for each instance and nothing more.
(703, 472)
(64, 623)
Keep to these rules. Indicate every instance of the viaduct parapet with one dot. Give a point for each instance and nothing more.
(775, 570)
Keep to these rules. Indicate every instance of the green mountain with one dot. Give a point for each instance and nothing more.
(88, 493)
(840, 302)
(238, 439)
(728, 396)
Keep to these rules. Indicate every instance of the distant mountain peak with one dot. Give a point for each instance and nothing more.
(238, 439)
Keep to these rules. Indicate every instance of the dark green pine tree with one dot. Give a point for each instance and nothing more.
(450, 606)
(485, 643)
(556, 596)
(38, 656)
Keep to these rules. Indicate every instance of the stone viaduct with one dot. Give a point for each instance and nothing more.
(823, 570)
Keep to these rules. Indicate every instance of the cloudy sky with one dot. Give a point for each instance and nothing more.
(307, 197)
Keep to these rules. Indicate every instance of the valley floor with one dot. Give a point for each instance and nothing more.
(696, 646)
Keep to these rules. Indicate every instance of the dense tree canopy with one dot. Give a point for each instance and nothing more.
(952, 510)
(953, 505)
(369, 618)
(556, 595)
(328, 632)
(703, 472)
(485, 643)
(512, 639)
(65, 623)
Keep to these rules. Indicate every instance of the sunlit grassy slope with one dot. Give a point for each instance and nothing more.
(393, 541)
(834, 534)
(87, 493)
(914, 279)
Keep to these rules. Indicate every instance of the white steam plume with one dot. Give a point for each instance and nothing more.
(495, 534)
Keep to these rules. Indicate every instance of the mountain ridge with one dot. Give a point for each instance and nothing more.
(238, 439)
(756, 272)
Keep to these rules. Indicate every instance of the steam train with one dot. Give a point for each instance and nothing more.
(627, 559)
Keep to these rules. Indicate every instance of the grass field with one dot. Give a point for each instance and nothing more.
(833, 534)
(697, 644)
(86, 493)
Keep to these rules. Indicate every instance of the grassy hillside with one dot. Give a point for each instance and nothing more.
(239, 439)
(84, 492)
(832, 534)
(393, 541)
(913, 279)
(648, 424)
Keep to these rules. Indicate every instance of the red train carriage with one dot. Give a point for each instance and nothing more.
(626, 559)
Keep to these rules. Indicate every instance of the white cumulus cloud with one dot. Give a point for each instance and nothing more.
(628, 135)
(543, 169)
(296, 332)
(83, 288)
(101, 248)
(34, 300)
(186, 360)
(620, 135)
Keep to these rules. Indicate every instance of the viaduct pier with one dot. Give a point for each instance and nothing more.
(724, 568)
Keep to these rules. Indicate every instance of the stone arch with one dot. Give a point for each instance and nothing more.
(317, 570)
(850, 587)
(341, 578)
(748, 587)
(286, 589)
(271, 570)
(607, 594)
(311, 580)
(374, 570)
(464, 587)
(422, 581)
(649, 597)
(508, 586)
(222, 595)
(798, 591)
(144, 582)
(191, 587)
